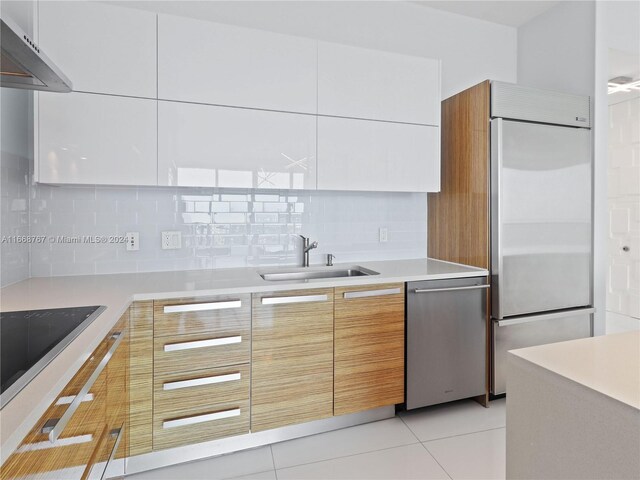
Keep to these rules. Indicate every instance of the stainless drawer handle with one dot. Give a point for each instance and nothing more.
(548, 316)
(116, 433)
(195, 382)
(201, 307)
(297, 299)
(213, 342)
(67, 400)
(63, 442)
(100, 469)
(56, 431)
(181, 422)
(373, 293)
(451, 289)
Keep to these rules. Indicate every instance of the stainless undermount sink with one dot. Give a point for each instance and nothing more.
(319, 273)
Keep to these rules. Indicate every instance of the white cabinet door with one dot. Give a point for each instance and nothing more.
(101, 48)
(207, 62)
(377, 156)
(97, 139)
(204, 145)
(360, 83)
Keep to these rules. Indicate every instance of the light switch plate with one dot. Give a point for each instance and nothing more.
(383, 235)
(171, 240)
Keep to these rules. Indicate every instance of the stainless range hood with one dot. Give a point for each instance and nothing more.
(23, 65)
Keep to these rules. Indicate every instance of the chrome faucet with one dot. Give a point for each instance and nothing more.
(305, 249)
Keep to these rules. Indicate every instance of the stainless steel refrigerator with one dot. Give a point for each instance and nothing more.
(541, 220)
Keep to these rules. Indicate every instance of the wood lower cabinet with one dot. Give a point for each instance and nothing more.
(201, 372)
(292, 358)
(369, 347)
(200, 406)
(92, 431)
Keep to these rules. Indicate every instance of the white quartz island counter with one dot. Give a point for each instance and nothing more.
(116, 292)
(573, 409)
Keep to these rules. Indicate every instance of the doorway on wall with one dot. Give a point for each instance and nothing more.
(623, 170)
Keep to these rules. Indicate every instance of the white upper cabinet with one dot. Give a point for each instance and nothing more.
(205, 145)
(96, 139)
(211, 63)
(167, 100)
(377, 156)
(370, 84)
(101, 48)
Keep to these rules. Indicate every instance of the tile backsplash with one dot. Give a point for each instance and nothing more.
(14, 217)
(15, 157)
(220, 228)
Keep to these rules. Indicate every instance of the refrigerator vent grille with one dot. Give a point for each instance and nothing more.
(531, 104)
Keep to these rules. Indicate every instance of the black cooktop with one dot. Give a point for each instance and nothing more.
(30, 339)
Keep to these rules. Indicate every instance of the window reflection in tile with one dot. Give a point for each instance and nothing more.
(223, 228)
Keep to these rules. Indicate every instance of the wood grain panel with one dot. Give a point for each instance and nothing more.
(292, 361)
(369, 349)
(458, 215)
(118, 387)
(38, 458)
(141, 378)
(197, 400)
(217, 322)
(204, 357)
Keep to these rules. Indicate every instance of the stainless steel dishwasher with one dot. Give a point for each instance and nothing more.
(446, 340)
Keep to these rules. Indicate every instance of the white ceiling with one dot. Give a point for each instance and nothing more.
(512, 13)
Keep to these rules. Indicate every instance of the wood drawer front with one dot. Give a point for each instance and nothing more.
(369, 347)
(219, 315)
(292, 359)
(220, 390)
(230, 348)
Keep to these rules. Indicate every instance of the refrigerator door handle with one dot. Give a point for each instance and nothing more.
(548, 316)
(496, 214)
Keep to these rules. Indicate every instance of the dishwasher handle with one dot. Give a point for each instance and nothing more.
(449, 289)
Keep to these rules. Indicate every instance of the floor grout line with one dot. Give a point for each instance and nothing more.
(463, 434)
(273, 461)
(247, 474)
(436, 460)
(406, 425)
(348, 456)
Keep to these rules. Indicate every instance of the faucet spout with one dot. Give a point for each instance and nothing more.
(305, 250)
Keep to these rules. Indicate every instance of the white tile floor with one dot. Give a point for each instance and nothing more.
(461, 440)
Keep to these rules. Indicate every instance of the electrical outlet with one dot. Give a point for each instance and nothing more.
(171, 240)
(383, 236)
(133, 241)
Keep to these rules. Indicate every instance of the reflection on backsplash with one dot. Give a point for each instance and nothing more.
(220, 228)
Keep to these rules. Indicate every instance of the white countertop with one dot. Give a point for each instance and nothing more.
(609, 364)
(117, 292)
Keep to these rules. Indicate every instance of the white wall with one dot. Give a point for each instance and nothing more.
(556, 49)
(471, 50)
